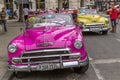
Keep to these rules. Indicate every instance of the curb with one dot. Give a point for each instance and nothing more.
(8, 75)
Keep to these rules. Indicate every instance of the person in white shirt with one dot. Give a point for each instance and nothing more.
(25, 13)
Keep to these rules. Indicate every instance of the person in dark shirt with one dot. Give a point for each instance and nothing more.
(3, 18)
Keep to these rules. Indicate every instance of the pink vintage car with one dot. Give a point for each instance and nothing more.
(49, 41)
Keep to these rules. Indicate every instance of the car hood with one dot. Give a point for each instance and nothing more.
(89, 16)
(49, 37)
(90, 19)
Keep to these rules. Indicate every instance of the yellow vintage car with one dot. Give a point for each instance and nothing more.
(92, 22)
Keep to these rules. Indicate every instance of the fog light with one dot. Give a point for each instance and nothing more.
(16, 61)
(75, 56)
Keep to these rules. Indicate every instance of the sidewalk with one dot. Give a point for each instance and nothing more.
(13, 28)
(9, 22)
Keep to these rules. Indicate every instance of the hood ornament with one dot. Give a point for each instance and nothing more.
(45, 44)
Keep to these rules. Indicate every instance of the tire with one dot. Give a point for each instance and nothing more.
(20, 75)
(82, 69)
(105, 32)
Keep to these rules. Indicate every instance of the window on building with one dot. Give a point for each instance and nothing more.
(40, 4)
(66, 4)
(81, 3)
(9, 4)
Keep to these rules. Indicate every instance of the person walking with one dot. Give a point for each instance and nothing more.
(113, 12)
(25, 13)
(15, 14)
(3, 18)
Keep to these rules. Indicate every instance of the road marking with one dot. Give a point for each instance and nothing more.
(97, 71)
(105, 61)
(118, 40)
(90, 58)
(8, 75)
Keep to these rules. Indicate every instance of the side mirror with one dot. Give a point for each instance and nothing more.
(80, 24)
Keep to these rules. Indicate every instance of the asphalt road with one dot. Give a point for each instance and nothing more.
(103, 51)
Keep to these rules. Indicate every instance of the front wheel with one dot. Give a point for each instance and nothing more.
(82, 69)
(20, 75)
(105, 32)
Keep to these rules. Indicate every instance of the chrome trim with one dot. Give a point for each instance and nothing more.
(48, 50)
(62, 65)
(89, 29)
(95, 24)
(47, 56)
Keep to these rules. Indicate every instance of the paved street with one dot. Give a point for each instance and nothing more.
(103, 51)
(13, 30)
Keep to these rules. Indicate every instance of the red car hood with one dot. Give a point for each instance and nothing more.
(49, 37)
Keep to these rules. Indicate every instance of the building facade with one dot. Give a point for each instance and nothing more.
(34, 5)
(49, 4)
(52, 4)
(1, 4)
(102, 5)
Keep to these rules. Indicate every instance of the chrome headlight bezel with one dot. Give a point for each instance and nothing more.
(12, 48)
(107, 21)
(78, 44)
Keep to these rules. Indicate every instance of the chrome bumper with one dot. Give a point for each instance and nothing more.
(48, 61)
(95, 29)
(61, 65)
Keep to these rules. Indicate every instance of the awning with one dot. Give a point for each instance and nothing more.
(22, 1)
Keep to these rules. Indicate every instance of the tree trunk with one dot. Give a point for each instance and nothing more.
(20, 13)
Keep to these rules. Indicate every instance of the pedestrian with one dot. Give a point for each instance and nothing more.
(15, 14)
(25, 13)
(113, 12)
(3, 18)
(57, 10)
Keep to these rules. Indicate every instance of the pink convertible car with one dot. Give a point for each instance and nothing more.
(48, 42)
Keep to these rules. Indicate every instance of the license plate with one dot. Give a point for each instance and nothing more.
(45, 67)
(95, 29)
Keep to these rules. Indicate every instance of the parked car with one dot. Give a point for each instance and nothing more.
(49, 41)
(71, 11)
(91, 21)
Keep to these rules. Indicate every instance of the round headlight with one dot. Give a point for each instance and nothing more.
(12, 48)
(77, 44)
(107, 21)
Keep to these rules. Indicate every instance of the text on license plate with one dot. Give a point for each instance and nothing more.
(95, 29)
(44, 67)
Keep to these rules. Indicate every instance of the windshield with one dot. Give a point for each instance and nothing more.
(50, 20)
(88, 11)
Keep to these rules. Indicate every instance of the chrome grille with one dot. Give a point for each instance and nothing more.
(94, 25)
(43, 53)
(48, 55)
